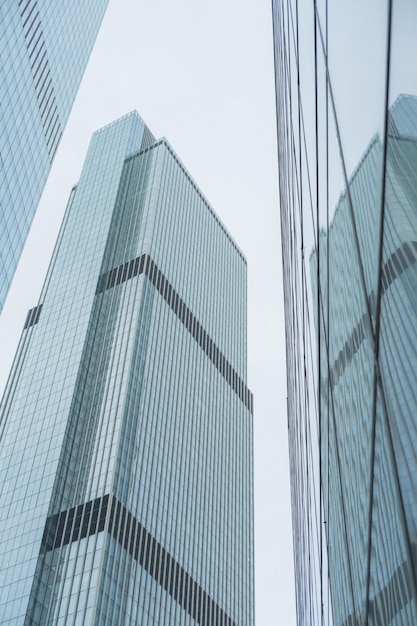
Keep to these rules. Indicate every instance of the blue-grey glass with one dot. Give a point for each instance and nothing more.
(346, 92)
(130, 383)
(44, 48)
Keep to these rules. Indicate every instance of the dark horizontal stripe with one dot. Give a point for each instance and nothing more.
(390, 600)
(90, 518)
(399, 261)
(35, 43)
(33, 316)
(404, 257)
(348, 351)
(145, 265)
(74, 524)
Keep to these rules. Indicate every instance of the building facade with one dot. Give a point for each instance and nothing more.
(349, 231)
(126, 424)
(44, 49)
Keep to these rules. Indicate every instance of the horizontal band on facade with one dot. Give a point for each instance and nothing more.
(144, 265)
(44, 88)
(391, 599)
(404, 257)
(109, 513)
(33, 316)
(348, 351)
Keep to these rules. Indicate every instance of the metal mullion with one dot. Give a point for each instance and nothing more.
(180, 193)
(155, 350)
(103, 425)
(234, 460)
(134, 304)
(178, 410)
(113, 529)
(193, 381)
(377, 373)
(186, 192)
(170, 391)
(328, 308)
(136, 570)
(109, 390)
(146, 168)
(207, 390)
(178, 339)
(199, 276)
(163, 354)
(167, 176)
(287, 316)
(204, 390)
(348, 193)
(302, 298)
(127, 570)
(76, 492)
(138, 391)
(182, 394)
(125, 182)
(144, 406)
(347, 186)
(158, 234)
(99, 428)
(189, 409)
(60, 578)
(234, 491)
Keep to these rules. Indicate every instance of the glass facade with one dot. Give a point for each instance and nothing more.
(346, 94)
(44, 48)
(126, 442)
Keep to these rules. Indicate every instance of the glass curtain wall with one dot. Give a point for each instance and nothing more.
(126, 453)
(44, 49)
(346, 89)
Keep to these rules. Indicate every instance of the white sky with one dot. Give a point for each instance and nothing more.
(200, 74)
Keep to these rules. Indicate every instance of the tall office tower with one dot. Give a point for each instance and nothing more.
(349, 233)
(126, 425)
(44, 48)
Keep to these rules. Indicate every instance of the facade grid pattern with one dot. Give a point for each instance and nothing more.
(44, 49)
(348, 197)
(142, 446)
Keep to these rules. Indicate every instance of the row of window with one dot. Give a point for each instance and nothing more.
(144, 264)
(87, 519)
(76, 523)
(391, 599)
(33, 316)
(348, 351)
(398, 262)
(44, 89)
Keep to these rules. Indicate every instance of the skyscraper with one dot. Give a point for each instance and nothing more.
(44, 48)
(126, 424)
(348, 198)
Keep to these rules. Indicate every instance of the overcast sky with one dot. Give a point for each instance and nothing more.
(200, 74)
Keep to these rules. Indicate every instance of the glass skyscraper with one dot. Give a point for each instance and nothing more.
(347, 147)
(126, 426)
(44, 48)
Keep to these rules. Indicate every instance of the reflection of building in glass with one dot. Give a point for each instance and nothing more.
(351, 308)
(126, 441)
(369, 446)
(44, 50)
